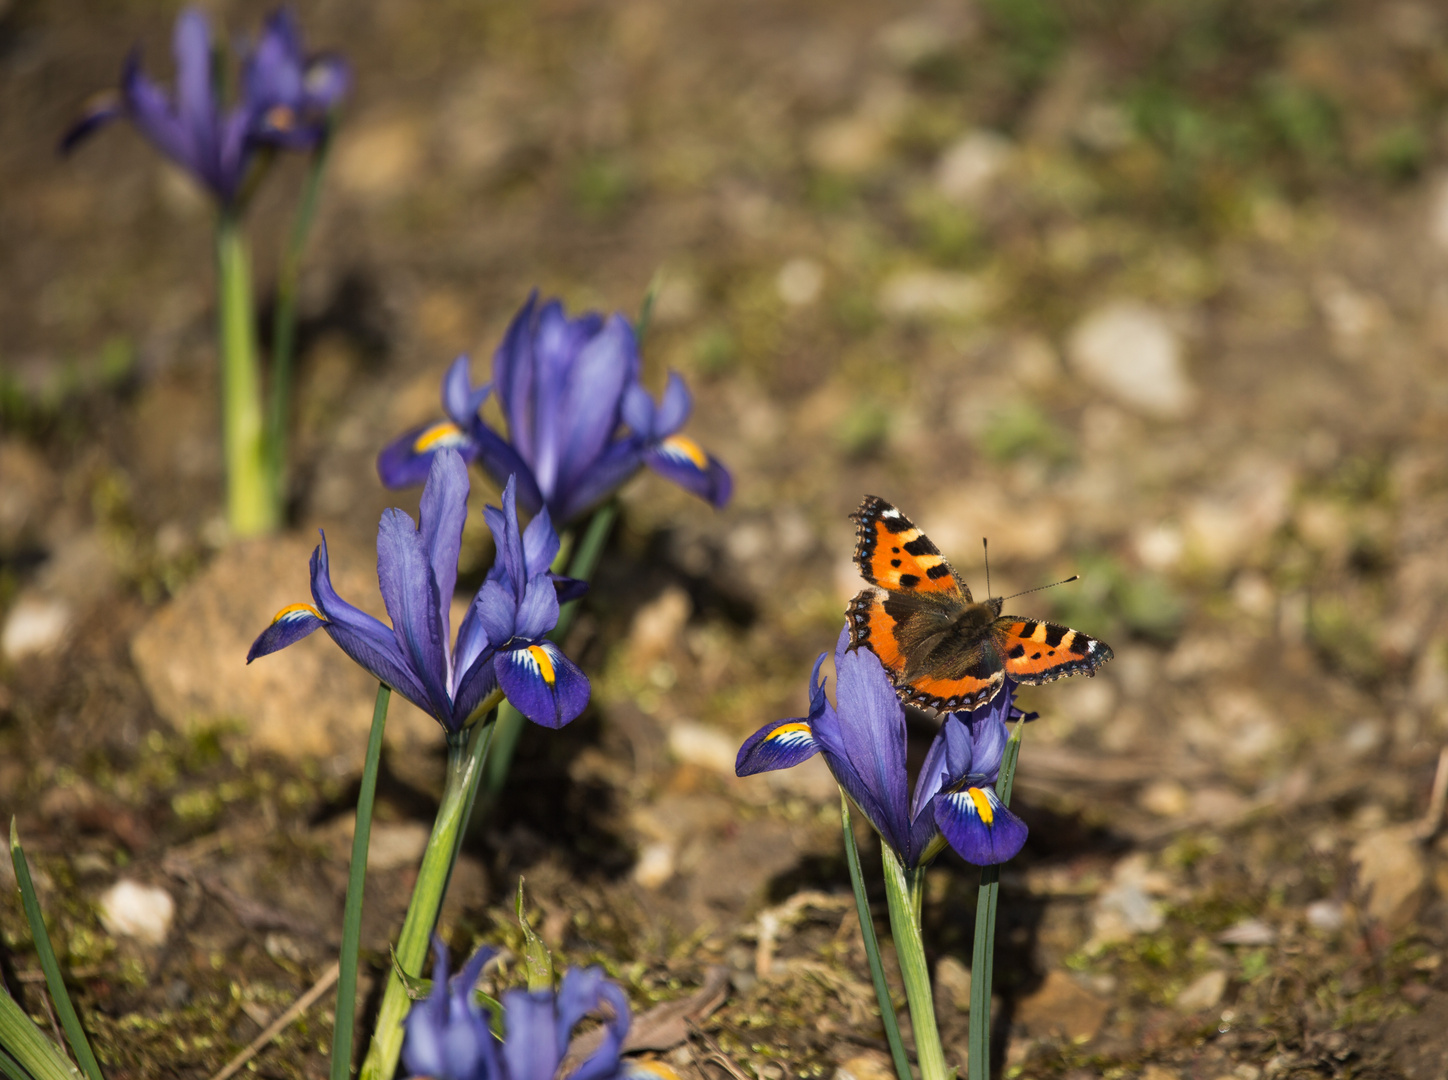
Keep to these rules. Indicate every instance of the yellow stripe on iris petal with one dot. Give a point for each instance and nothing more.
(790, 733)
(543, 662)
(685, 447)
(444, 433)
(983, 805)
(291, 611)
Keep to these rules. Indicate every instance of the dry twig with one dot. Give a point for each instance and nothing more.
(277, 1026)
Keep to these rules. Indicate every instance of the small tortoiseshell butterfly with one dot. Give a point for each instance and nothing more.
(944, 650)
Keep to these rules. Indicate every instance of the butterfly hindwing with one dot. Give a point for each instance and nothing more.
(1040, 652)
(893, 554)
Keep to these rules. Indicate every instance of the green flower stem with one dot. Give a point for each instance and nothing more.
(251, 504)
(356, 880)
(982, 962)
(466, 755)
(872, 947)
(69, 1021)
(510, 720)
(284, 316)
(903, 890)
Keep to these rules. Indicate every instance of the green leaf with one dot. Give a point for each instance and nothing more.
(69, 1021)
(28, 1054)
(536, 957)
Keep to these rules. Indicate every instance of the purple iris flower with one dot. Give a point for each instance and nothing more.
(501, 642)
(284, 101)
(449, 1036)
(863, 742)
(579, 421)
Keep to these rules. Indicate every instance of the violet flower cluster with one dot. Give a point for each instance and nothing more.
(449, 1036)
(285, 96)
(862, 738)
(502, 642)
(580, 423)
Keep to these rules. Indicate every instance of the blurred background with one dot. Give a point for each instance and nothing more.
(1151, 292)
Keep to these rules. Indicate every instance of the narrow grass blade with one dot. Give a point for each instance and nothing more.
(646, 309)
(356, 882)
(284, 316)
(35, 1057)
(583, 562)
(872, 947)
(982, 961)
(69, 1021)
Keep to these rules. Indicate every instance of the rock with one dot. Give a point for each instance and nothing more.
(1248, 932)
(1129, 351)
(971, 165)
(865, 1065)
(1165, 798)
(1202, 993)
(394, 845)
(656, 864)
(702, 745)
(1125, 908)
(952, 983)
(851, 145)
(800, 282)
(28, 491)
(658, 626)
(1392, 874)
(934, 294)
(1062, 1008)
(1325, 915)
(1019, 531)
(143, 912)
(378, 158)
(35, 625)
(306, 700)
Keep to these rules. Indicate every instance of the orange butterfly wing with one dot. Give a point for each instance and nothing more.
(893, 554)
(1041, 652)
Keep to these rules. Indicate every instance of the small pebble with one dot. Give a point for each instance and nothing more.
(1326, 915)
(1129, 350)
(35, 625)
(131, 909)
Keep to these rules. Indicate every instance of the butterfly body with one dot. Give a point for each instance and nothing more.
(944, 649)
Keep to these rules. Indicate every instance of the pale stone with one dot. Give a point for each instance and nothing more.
(1165, 798)
(1129, 350)
(1202, 993)
(800, 282)
(935, 294)
(380, 157)
(1248, 932)
(1159, 547)
(865, 1065)
(952, 983)
(1125, 908)
(658, 626)
(131, 909)
(1392, 874)
(309, 699)
(851, 145)
(970, 166)
(35, 625)
(1326, 915)
(656, 864)
(393, 845)
(702, 745)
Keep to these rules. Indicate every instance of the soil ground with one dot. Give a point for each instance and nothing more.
(883, 236)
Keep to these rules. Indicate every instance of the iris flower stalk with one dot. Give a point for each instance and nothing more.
(286, 100)
(501, 649)
(954, 803)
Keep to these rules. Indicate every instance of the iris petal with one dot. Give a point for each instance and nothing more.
(981, 828)
(542, 683)
(682, 460)
(289, 625)
(410, 594)
(778, 745)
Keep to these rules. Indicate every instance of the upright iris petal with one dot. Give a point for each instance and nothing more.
(862, 739)
(579, 422)
(448, 1036)
(284, 99)
(502, 641)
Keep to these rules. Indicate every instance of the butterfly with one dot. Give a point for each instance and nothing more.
(943, 649)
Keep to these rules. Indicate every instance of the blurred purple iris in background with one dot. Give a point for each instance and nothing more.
(449, 1037)
(863, 742)
(285, 97)
(580, 423)
(501, 642)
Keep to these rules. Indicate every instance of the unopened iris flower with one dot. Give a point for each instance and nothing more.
(502, 641)
(580, 423)
(449, 1036)
(862, 738)
(285, 96)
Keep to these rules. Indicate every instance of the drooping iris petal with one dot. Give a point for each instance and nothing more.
(872, 736)
(99, 111)
(604, 1061)
(406, 460)
(460, 399)
(682, 460)
(542, 684)
(440, 515)
(777, 745)
(288, 626)
(674, 408)
(410, 594)
(614, 466)
(981, 828)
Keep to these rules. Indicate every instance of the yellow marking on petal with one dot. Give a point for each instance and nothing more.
(650, 1069)
(445, 433)
(982, 804)
(786, 731)
(296, 609)
(544, 661)
(281, 117)
(683, 446)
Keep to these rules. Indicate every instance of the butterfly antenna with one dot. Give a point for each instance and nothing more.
(1038, 588)
(985, 547)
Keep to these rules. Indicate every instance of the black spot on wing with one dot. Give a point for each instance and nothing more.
(1028, 630)
(909, 581)
(896, 522)
(938, 571)
(1054, 634)
(1080, 644)
(895, 563)
(1017, 652)
(921, 545)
